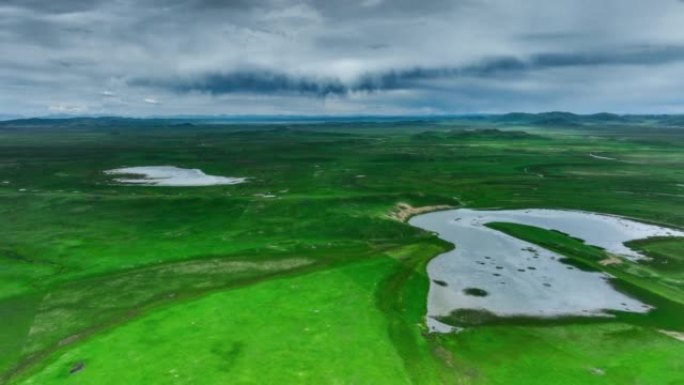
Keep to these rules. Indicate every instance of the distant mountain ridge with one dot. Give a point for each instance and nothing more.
(550, 119)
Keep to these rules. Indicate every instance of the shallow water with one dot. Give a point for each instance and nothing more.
(520, 278)
(171, 176)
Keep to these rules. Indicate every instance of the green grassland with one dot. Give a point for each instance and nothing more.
(280, 331)
(221, 284)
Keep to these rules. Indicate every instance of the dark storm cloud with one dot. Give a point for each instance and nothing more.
(393, 8)
(61, 6)
(277, 82)
(357, 56)
(251, 81)
(66, 6)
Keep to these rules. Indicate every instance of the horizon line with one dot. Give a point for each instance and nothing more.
(229, 117)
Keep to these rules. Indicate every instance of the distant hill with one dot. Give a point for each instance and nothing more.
(78, 123)
(607, 117)
(556, 119)
(567, 119)
(486, 133)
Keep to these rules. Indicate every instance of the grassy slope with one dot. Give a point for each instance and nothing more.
(321, 328)
(667, 257)
(401, 297)
(610, 353)
(70, 231)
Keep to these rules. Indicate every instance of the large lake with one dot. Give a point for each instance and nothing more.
(517, 278)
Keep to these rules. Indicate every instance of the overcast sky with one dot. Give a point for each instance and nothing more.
(316, 57)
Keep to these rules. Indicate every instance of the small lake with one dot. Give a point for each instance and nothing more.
(492, 271)
(170, 176)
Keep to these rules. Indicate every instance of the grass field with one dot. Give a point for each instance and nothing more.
(299, 276)
(297, 330)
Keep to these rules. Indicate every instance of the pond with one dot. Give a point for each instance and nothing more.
(169, 176)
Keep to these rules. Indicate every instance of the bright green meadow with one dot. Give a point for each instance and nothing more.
(300, 275)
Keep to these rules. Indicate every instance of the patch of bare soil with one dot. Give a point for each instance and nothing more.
(612, 260)
(403, 211)
(671, 333)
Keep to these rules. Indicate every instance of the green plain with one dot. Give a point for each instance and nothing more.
(224, 284)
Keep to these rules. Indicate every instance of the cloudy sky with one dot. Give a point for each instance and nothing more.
(325, 57)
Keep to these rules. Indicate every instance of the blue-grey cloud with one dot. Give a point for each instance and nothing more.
(269, 82)
(252, 82)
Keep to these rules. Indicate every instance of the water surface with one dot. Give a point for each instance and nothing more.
(492, 271)
(170, 176)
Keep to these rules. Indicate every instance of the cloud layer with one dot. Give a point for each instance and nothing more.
(168, 57)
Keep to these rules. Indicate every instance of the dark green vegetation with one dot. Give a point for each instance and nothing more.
(667, 256)
(477, 292)
(132, 284)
